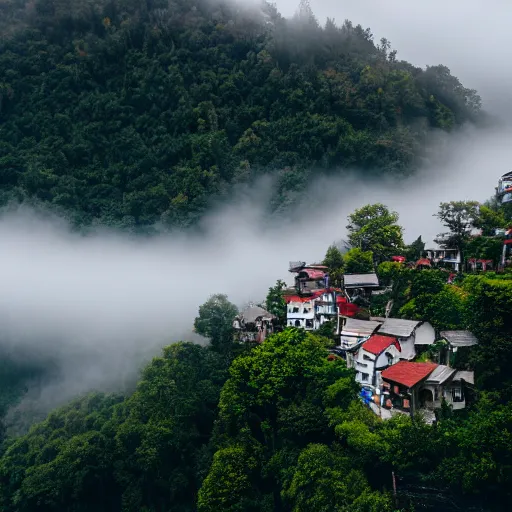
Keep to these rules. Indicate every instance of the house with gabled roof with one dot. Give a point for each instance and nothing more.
(409, 387)
(409, 334)
(313, 302)
(374, 355)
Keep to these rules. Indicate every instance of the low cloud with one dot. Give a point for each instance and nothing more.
(97, 306)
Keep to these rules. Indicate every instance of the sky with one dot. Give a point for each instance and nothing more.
(100, 305)
(471, 37)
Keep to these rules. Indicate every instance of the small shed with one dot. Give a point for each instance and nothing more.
(353, 281)
(459, 338)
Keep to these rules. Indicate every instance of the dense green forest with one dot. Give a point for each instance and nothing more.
(137, 114)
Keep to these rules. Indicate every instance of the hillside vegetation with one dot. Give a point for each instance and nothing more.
(135, 113)
(279, 426)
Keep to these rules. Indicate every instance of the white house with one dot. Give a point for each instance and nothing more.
(445, 383)
(409, 333)
(442, 256)
(376, 354)
(310, 312)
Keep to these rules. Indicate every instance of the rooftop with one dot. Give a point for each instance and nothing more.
(377, 343)
(441, 374)
(361, 280)
(353, 325)
(466, 376)
(312, 273)
(398, 327)
(460, 338)
(312, 295)
(252, 313)
(408, 374)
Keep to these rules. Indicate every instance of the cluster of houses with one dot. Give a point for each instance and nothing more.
(384, 352)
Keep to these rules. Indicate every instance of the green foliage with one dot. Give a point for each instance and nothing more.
(414, 251)
(486, 248)
(335, 263)
(427, 282)
(490, 303)
(133, 114)
(374, 228)
(215, 321)
(275, 302)
(479, 457)
(228, 485)
(459, 217)
(358, 261)
(102, 453)
(323, 480)
(488, 219)
(271, 409)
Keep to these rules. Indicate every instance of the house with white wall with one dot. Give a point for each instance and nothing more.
(409, 333)
(311, 311)
(374, 355)
(442, 257)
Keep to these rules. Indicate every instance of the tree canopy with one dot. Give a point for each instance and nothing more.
(137, 114)
(374, 228)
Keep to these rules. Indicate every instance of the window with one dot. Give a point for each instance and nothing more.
(365, 377)
(367, 357)
(457, 394)
(306, 310)
(389, 358)
(295, 310)
(290, 323)
(297, 323)
(309, 323)
(436, 393)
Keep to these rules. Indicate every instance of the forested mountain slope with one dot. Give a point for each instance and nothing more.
(130, 113)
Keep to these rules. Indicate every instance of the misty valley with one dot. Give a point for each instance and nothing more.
(162, 165)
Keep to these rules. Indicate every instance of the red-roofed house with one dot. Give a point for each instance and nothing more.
(311, 311)
(402, 384)
(375, 354)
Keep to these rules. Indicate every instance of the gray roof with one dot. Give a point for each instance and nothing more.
(460, 338)
(466, 376)
(252, 313)
(441, 374)
(360, 326)
(361, 280)
(398, 327)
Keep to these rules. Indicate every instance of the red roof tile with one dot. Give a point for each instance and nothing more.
(407, 373)
(377, 343)
(313, 273)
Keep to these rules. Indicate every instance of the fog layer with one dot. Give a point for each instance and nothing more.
(96, 306)
(471, 37)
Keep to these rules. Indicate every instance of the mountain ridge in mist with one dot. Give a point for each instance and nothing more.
(126, 115)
